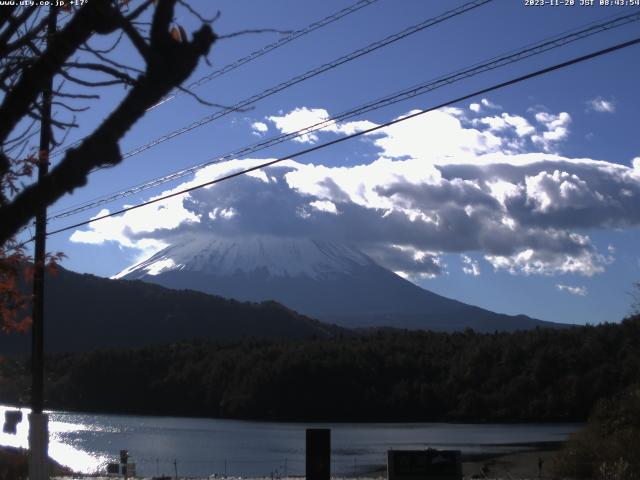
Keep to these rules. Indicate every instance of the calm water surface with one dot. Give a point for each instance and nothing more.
(201, 446)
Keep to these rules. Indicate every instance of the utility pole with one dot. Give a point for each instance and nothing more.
(38, 421)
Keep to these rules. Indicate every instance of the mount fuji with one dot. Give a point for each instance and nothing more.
(325, 280)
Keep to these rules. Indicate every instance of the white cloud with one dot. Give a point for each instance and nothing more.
(259, 128)
(136, 229)
(225, 213)
(601, 105)
(532, 262)
(438, 186)
(580, 291)
(325, 206)
(470, 266)
(557, 129)
(519, 124)
(409, 262)
(434, 136)
(547, 191)
(314, 120)
(113, 229)
(484, 104)
(488, 104)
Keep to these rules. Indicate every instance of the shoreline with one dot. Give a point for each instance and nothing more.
(512, 465)
(445, 421)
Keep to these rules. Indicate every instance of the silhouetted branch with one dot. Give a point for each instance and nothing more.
(196, 14)
(201, 100)
(70, 108)
(169, 63)
(64, 43)
(109, 49)
(89, 83)
(98, 67)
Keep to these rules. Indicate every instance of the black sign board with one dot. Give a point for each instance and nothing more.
(11, 419)
(427, 464)
(113, 468)
(318, 454)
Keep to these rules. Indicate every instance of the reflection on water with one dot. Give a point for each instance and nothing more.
(62, 451)
(201, 447)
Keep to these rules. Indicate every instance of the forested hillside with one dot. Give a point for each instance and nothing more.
(86, 312)
(538, 375)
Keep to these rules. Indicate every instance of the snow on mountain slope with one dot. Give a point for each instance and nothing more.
(325, 280)
(293, 257)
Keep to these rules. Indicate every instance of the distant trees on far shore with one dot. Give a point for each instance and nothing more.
(538, 375)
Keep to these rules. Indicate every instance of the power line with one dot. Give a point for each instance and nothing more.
(306, 76)
(254, 55)
(491, 64)
(272, 46)
(310, 74)
(300, 153)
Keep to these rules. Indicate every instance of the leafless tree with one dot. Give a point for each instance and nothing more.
(168, 59)
(81, 59)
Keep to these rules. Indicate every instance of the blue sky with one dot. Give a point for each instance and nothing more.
(524, 200)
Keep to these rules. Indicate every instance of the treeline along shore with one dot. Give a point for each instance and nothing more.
(544, 375)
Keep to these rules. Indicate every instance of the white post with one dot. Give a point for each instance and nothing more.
(38, 446)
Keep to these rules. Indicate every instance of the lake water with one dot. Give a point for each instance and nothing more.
(201, 446)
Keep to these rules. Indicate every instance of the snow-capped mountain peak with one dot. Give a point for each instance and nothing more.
(291, 257)
(325, 280)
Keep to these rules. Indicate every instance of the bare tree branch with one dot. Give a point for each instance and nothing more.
(139, 10)
(5, 14)
(196, 14)
(136, 39)
(110, 61)
(69, 108)
(169, 65)
(14, 25)
(201, 100)
(89, 83)
(77, 96)
(6, 48)
(162, 17)
(98, 67)
(89, 18)
(20, 136)
(109, 49)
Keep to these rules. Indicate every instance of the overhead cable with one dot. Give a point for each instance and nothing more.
(253, 55)
(241, 105)
(270, 47)
(491, 64)
(306, 151)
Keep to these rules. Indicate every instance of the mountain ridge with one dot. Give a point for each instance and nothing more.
(85, 312)
(331, 282)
